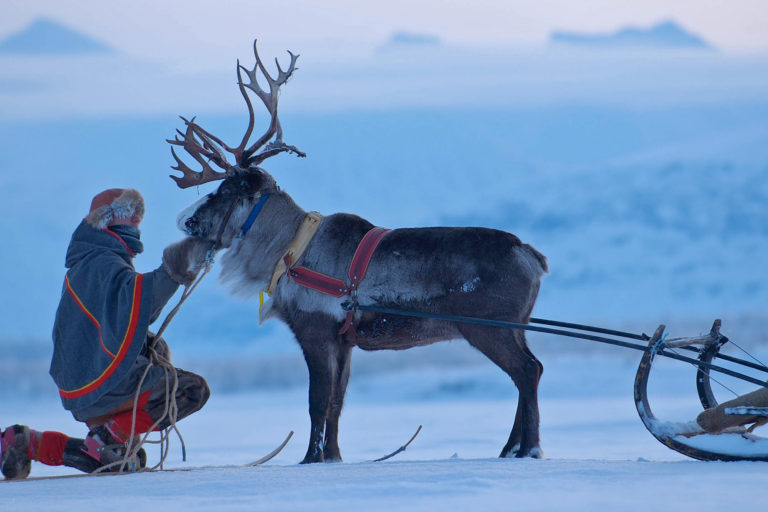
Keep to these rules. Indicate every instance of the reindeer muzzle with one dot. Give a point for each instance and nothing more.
(192, 228)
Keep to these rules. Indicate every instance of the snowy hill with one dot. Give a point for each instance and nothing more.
(667, 34)
(642, 216)
(47, 37)
(408, 41)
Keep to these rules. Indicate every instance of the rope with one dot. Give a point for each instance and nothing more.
(747, 353)
(207, 264)
(700, 370)
(134, 444)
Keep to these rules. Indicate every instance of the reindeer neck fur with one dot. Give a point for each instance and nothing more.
(270, 235)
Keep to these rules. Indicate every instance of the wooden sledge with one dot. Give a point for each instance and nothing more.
(733, 444)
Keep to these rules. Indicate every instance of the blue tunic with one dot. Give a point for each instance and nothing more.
(101, 324)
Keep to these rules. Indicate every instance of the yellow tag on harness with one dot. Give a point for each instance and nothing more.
(261, 300)
(265, 305)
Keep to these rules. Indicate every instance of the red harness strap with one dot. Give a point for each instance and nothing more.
(318, 281)
(357, 269)
(363, 256)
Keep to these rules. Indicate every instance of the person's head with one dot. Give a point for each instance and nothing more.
(116, 206)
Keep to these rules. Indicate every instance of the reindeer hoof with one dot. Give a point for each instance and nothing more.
(312, 459)
(535, 453)
(332, 456)
(510, 452)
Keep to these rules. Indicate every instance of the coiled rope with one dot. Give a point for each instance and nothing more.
(156, 358)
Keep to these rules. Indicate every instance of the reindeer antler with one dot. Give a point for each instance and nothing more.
(270, 101)
(209, 151)
(205, 147)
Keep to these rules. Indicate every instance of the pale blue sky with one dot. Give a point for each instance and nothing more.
(179, 55)
(170, 29)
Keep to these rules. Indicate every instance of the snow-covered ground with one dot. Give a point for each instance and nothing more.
(599, 455)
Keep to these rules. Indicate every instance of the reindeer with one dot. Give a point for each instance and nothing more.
(303, 259)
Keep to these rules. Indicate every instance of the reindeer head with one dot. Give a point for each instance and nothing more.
(218, 216)
(243, 181)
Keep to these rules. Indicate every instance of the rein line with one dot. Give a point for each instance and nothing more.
(171, 409)
(350, 306)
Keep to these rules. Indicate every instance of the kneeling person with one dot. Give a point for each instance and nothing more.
(102, 344)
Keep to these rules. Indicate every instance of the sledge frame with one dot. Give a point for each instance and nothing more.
(685, 442)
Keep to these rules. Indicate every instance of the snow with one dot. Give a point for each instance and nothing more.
(739, 445)
(418, 485)
(598, 454)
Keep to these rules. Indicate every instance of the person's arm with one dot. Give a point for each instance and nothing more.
(183, 260)
(181, 263)
(163, 289)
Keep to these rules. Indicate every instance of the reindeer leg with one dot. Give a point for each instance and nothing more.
(515, 436)
(527, 382)
(512, 448)
(321, 378)
(509, 351)
(331, 445)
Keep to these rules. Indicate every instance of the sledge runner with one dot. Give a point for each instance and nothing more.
(102, 344)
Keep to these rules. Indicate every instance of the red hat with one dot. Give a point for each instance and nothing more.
(112, 203)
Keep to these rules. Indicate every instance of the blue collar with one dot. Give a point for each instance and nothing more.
(254, 213)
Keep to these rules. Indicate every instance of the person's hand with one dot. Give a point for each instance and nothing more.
(183, 260)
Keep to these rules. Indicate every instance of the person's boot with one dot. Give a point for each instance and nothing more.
(100, 449)
(14, 449)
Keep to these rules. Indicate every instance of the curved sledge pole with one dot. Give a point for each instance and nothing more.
(703, 384)
(688, 438)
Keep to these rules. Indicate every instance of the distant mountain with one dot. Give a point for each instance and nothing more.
(410, 40)
(47, 37)
(667, 34)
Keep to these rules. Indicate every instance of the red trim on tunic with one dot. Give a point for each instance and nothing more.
(120, 239)
(88, 314)
(121, 353)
